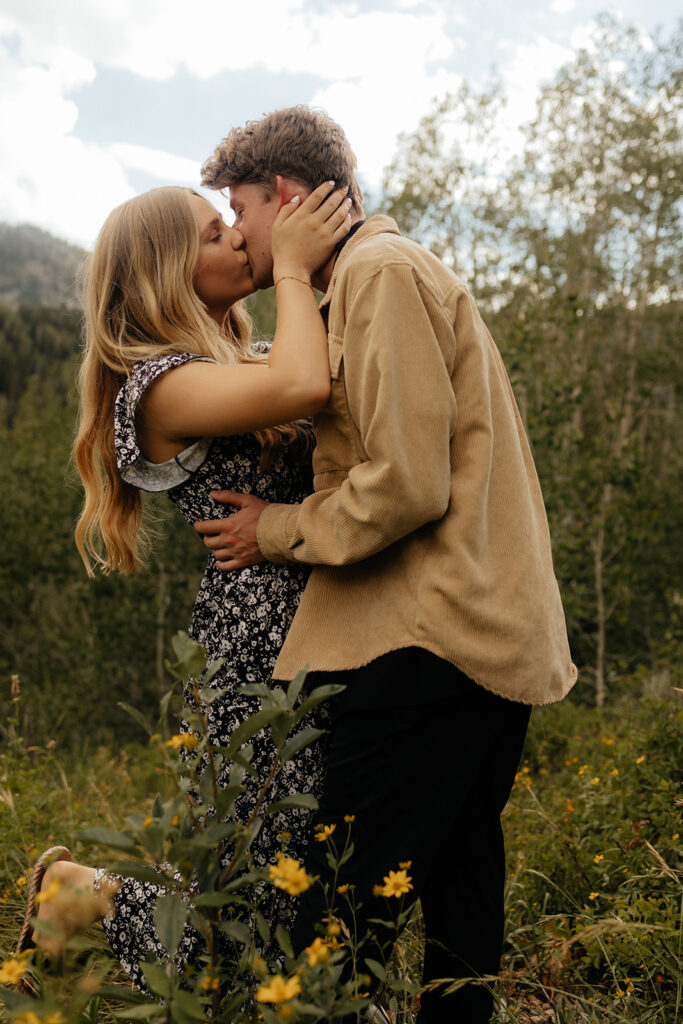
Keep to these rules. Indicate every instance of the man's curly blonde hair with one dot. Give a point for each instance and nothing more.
(296, 142)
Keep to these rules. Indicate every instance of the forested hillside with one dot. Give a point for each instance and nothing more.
(574, 254)
(36, 268)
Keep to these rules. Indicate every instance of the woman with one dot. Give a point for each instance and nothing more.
(174, 399)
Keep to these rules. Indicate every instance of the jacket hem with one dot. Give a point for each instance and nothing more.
(524, 698)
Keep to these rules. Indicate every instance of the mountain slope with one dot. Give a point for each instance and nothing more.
(37, 269)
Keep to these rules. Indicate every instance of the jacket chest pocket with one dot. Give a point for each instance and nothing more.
(337, 445)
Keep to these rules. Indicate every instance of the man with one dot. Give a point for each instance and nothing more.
(432, 596)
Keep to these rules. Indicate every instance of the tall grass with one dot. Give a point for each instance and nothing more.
(594, 896)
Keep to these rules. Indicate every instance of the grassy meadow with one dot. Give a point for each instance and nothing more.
(594, 862)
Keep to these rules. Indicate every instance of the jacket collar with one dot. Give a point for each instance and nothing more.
(377, 225)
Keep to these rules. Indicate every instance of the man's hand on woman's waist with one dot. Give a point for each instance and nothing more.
(233, 540)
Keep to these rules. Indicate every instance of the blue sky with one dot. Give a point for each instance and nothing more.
(100, 101)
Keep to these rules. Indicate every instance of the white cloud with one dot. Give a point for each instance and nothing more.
(49, 177)
(56, 48)
(531, 65)
(68, 190)
(154, 38)
(389, 105)
(166, 166)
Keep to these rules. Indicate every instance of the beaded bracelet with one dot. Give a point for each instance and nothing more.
(290, 277)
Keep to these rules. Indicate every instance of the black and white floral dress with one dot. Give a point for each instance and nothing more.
(241, 617)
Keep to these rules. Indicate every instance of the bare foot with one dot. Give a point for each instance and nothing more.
(67, 904)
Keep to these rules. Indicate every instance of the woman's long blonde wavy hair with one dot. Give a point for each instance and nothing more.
(139, 301)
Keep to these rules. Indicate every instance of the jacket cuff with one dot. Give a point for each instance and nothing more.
(271, 533)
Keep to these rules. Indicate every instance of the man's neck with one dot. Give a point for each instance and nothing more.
(322, 277)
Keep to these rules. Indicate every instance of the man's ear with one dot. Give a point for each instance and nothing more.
(287, 189)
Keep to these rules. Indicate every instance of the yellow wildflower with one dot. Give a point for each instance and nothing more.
(31, 1017)
(348, 818)
(583, 769)
(614, 773)
(598, 857)
(323, 832)
(317, 952)
(595, 781)
(343, 888)
(619, 994)
(20, 882)
(334, 928)
(396, 883)
(675, 837)
(406, 864)
(148, 821)
(378, 890)
(11, 971)
(183, 739)
(278, 990)
(609, 741)
(209, 983)
(639, 760)
(288, 874)
(593, 895)
(49, 892)
(175, 821)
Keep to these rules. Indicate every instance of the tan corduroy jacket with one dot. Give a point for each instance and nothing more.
(427, 526)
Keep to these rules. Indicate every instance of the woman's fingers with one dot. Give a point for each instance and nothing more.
(306, 232)
(311, 204)
(324, 198)
(326, 201)
(342, 217)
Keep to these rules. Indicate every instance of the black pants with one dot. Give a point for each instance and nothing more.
(425, 760)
